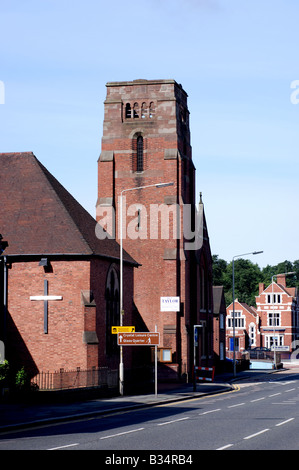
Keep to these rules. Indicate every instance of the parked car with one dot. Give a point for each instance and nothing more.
(259, 352)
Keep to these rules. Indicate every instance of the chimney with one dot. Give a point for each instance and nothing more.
(261, 287)
(281, 279)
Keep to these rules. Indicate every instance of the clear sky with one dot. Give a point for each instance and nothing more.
(236, 59)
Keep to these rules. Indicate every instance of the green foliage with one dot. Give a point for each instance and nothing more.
(21, 379)
(248, 276)
(4, 371)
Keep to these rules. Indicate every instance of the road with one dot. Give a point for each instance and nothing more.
(260, 415)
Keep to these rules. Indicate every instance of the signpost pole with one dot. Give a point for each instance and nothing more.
(195, 343)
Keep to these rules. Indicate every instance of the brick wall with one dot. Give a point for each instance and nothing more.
(62, 347)
(76, 324)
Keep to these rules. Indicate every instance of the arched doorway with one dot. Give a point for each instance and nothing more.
(112, 310)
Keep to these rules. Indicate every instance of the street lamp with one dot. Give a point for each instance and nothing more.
(273, 312)
(234, 331)
(121, 362)
(3, 246)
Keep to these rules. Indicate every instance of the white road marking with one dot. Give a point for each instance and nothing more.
(256, 434)
(284, 403)
(64, 447)
(238, 404)
(121, 433)
(284, 422)
(225, 447)
(207, 412)
(173, 421)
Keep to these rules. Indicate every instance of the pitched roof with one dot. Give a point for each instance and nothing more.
(251, 310)
(291, 291)
(218, 299)
(39, 216)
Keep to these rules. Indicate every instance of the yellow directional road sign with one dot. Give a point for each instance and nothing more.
(122, 329)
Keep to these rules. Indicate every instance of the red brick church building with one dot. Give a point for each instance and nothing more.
(60, 274)
(59, 282)
(146, 144)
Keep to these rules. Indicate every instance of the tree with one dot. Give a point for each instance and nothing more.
(283, 267)
(248, 276)
(219, 270)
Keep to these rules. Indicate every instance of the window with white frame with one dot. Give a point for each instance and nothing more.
(273, 298)
(270, 340)
(251, 334)
(274, 319)
(239, 320)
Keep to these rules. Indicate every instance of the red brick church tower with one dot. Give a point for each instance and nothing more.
(146, 142)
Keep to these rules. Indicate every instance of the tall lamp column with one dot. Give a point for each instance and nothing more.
(234, 329)
(121, 361)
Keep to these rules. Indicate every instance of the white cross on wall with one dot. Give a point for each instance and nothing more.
(46, 298)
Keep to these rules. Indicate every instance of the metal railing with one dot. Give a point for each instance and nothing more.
(71, 379)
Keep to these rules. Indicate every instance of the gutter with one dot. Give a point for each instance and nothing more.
(69, 255)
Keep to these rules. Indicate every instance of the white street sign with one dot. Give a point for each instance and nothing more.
(169, 304)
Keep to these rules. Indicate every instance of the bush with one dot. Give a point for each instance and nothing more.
(22, 381)
(4, 371)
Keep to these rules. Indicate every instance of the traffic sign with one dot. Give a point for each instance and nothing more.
(138, 339)
(122, 329)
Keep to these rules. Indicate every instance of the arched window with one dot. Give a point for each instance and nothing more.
(136, 111)
(143, 110)
(128, 110)
(138, 152)
(112, 310)
(151, 110)
(139, 162)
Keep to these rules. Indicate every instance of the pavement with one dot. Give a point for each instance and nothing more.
(20, 415)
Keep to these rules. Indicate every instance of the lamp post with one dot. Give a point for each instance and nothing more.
(273, 312)
(3, 246)
(121, 361)
(234, 330)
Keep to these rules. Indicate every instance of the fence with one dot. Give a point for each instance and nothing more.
(255, 354)
(238, 355)
(63, 380)
(206, 374)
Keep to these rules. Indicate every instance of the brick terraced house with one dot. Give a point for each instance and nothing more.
(247, 328)
(274, 320)
(278, 309)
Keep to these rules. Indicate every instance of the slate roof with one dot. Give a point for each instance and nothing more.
(251, 310)
(39, 216)
(218, 299)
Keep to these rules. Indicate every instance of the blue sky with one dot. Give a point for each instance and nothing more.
(236, 59)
